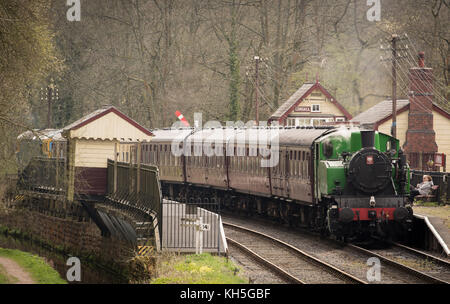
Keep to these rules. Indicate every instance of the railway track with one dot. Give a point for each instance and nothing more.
(418, 263)
(399, 264)
(286, 261)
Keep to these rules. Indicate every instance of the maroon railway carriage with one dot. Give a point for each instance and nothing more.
(235, 160)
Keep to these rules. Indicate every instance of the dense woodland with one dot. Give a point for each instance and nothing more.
(153, 57)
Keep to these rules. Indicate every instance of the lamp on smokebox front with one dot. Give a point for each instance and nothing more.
(372, 201)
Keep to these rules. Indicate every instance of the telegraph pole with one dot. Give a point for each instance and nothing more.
(394, 85)
(51, 93)
(395, 50)
(256, 89)
(49, 102)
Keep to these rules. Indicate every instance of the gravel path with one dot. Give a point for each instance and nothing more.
(13, 269)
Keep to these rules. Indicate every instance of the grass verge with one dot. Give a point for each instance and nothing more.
(198, 269)
(39, 270)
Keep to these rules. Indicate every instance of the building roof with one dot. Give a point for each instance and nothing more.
(382, 111)
(296, 98)
(107, 123)
(291, 101)
(379, 111)
(102, 112)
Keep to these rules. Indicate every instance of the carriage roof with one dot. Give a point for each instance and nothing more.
(169, 135)
(301, 136)
(254, 135)
(36, 134)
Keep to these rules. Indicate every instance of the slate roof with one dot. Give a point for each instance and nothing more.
(379, 111)
(291, 101)
(383, 110)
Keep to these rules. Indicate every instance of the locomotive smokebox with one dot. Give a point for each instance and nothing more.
(368, 139)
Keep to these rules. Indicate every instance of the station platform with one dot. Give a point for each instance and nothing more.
(437, 219)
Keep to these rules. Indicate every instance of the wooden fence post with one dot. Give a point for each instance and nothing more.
(57, 168)
(138, 161)
(70, 168)
(131, 186)
(420, 161)
(115, 167)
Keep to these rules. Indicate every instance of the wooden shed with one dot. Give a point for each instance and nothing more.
(91, 141)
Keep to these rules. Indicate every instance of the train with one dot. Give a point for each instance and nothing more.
(47, 143)
(346, 182)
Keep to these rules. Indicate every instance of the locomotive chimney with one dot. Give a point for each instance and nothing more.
(368, 139)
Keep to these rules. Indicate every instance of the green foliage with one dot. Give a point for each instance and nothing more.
(235, 82)
(27, 56)
(199, 269)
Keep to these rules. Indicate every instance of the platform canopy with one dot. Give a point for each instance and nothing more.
(107, 123)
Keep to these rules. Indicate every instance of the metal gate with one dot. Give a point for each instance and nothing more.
(186, 224)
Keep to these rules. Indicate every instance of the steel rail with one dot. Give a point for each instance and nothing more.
(324, 265)
(416, 273)
(272, 267)
(425, 255)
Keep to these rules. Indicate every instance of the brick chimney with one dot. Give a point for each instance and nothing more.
(420, 136)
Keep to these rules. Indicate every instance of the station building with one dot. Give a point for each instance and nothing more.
(422, 125)
(93, 139)
(310, 105)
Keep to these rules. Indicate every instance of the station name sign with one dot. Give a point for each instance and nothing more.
(302, 109)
